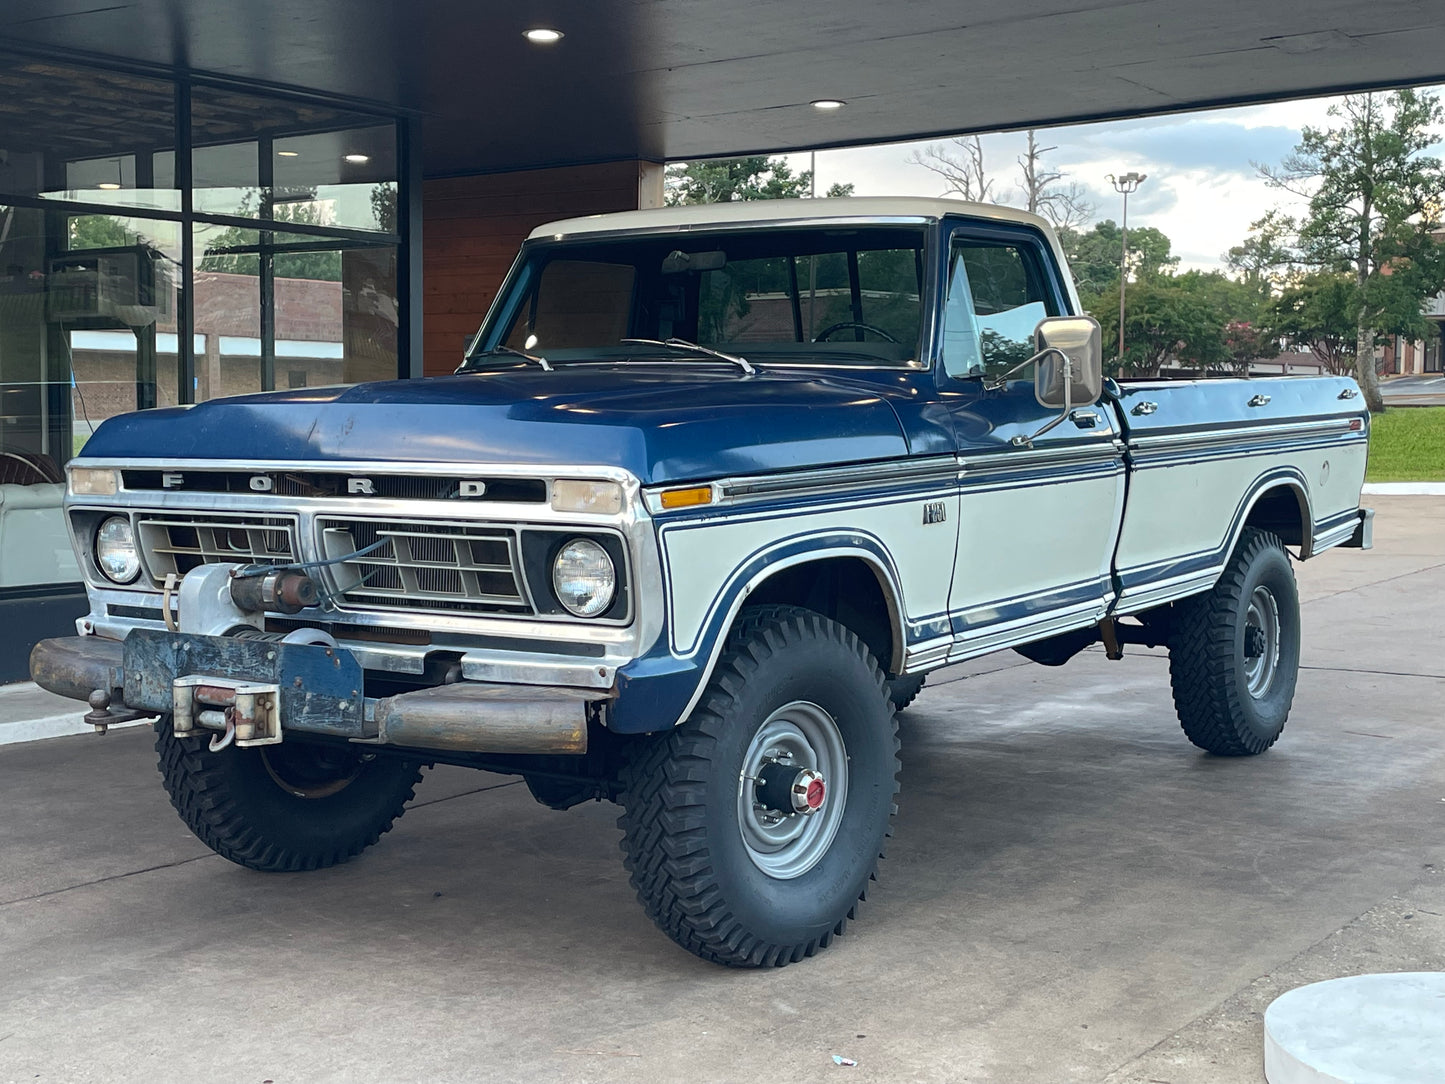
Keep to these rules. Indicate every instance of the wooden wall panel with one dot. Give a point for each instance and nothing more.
(473, 226)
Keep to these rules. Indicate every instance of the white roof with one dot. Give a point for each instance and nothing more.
(704, 215)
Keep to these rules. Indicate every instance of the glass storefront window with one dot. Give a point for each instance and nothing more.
(260, 157)
(291, 228)
(73, 132)
(227, 293)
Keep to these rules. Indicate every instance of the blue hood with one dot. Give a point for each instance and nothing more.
(663, 426)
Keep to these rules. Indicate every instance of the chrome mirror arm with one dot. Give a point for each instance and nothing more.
(996, 383)
(1028, 442)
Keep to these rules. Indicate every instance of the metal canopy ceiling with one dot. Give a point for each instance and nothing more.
(688, 78)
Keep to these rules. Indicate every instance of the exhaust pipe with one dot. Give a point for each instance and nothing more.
(473, 717)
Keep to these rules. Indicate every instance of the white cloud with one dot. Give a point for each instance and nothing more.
(1203, 190)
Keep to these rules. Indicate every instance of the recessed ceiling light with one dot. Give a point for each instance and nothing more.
(828, 104)
(288, 154)
(542, 35)
(358, 159)
(109, 186)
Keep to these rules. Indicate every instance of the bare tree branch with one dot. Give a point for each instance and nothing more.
(960, 164)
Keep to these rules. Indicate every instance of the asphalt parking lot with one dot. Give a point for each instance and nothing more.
(1074, 893)
(1426, 390)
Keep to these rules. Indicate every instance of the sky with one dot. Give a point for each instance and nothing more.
(1203, 188)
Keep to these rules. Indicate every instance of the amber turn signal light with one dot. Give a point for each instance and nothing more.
(687, 498)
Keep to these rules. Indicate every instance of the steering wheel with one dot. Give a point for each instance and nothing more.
(822, 336)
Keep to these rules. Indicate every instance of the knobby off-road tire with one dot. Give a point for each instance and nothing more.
(1234, 651)
(695, 835)
(904, 690)
(287, 807)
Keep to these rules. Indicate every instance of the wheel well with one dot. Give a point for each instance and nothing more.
(850, 591)
(1284, 509)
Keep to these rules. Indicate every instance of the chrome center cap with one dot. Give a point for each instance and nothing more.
(788, 789)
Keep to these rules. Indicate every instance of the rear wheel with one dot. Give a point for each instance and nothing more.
(751, 831)
(1234, 651)
(293, 806)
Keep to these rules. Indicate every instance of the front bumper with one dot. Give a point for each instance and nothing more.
(320, 691)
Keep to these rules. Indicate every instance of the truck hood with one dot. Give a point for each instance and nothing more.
(661, 425)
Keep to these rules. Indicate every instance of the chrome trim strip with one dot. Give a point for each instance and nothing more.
(825, 222)
(996, 637)
(835, 481)
(1002, 462)
(362, 466)
(1240, 435)
(927, 655)
(828, 480)
(1149, 595)
(1335, 536)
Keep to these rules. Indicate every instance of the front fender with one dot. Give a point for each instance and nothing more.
(660, 690)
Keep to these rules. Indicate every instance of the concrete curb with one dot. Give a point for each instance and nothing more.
(29, 713)
(50, 726)
(1404, 489)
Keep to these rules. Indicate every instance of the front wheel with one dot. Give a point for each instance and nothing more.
(293, 806)
(751, 831)
(1234, 651)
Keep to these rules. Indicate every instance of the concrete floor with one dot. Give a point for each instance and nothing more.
(1074, 894)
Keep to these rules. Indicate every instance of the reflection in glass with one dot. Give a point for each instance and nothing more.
(80, 133)
(279, 160)
(227, 300)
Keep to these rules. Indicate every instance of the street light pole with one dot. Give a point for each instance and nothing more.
(1124, 185)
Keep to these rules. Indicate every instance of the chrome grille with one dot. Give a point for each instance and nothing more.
(416, 565)
(179, 542)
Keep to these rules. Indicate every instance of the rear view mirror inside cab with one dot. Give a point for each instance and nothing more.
(677, 261)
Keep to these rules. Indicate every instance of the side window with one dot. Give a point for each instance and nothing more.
(576, 303)
(996, 298)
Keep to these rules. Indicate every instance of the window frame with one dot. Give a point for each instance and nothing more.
(1039, 260)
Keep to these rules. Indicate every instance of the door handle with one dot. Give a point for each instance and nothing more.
(1144, 407)
(1084, 419)
(1260, 400)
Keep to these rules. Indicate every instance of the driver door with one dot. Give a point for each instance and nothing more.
(1038, 520)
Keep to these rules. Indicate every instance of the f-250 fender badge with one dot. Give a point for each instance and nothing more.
(934, 512)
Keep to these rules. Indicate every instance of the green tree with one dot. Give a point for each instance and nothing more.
(99, 231)
(1263, 260)
(1316, 311)
(723, 180)
(1094, 258)
(236, 250)
(1374, 198)
(1170, 318)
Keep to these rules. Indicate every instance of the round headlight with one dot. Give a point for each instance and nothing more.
(584, 578)
(115, 552)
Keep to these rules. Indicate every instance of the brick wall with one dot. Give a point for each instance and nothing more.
(473, 226)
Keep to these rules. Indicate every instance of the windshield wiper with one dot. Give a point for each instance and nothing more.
(683, 344)
(512, 351)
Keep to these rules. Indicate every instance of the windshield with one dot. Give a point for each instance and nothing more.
(821, 295)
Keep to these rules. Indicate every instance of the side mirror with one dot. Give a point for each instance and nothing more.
(1078, 338)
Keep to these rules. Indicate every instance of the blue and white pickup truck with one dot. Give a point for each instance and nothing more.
(711, 493)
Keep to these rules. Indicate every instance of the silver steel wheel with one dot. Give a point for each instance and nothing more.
(1261, 642)
(801, 744)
